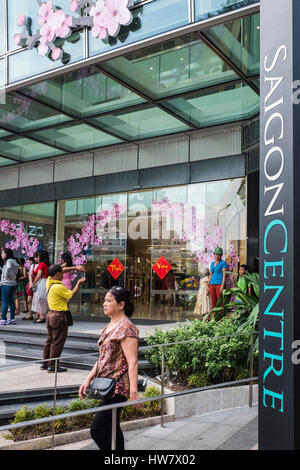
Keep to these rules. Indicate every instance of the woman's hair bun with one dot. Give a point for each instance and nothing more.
(123, 295)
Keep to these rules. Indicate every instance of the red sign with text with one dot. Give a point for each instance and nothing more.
(115, 268)
(162, 267)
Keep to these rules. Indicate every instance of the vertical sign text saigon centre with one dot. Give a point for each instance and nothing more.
(279, 231)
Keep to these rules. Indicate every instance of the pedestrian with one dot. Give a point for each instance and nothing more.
(203, 302)
(20, 292)
(241, 281)
(118, 359)
(57, 325)
(67, 265)
(8, 285)
(217, 277)
(31, 276)
(39, 301)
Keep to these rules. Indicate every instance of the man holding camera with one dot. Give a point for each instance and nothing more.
(57, 325)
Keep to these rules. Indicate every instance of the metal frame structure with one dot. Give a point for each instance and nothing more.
(95, 62)
(193, 27)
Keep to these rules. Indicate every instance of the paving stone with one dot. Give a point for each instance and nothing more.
(208, 432)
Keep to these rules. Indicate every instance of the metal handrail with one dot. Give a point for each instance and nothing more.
(161, 397)
(141, 348)
(121, 405)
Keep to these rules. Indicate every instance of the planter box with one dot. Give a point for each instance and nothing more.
(42, 443)
(210, 400)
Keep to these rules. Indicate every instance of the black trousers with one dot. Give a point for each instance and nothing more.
(101, 428)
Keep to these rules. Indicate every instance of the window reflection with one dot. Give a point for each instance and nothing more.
(181, 224)
(38, 220)
(207, 8)
(154, 242)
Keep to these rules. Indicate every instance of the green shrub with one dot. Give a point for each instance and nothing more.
(24, 414)
(148, 408)
(42, 411)
(197, 380)
(79, 404)
(204, 362)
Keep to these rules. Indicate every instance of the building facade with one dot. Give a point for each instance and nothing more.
(136, 152)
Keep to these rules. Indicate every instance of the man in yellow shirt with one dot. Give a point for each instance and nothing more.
(57, 326)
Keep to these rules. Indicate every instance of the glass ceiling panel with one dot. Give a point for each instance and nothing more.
(23, 149)
(140, 124)
(226, 104)
(76, 137)
(20, 113)
(83, 93)
(5, 161)
(176, 66)
(239, 41)
(4, 133)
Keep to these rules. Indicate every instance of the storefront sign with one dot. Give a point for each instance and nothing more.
(104, 17)
(115, 268)
(162, 267)
(279, 388)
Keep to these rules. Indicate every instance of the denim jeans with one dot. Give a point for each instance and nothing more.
(7, 297)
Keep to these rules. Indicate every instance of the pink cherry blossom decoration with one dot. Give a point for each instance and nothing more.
(56, 53)
(115, 14)
(21, 20)
(74, 5)
(45, 12)
(47, 33)
(104, 17)
(17, 39)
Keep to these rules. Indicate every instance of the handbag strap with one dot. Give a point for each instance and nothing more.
(51, 286)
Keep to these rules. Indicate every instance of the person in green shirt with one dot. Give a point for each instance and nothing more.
(241, 281)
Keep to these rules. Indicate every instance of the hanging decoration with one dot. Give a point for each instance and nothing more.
(104, 17)
(91, 232)
(208, 237)
(21, 239)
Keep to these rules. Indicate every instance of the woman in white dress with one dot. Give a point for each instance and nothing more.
(203, 302)
(39, 301)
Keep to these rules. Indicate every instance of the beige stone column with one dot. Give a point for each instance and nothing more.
(60, 229)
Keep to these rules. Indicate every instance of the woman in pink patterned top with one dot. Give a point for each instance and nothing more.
(118, 359)
(67, 262)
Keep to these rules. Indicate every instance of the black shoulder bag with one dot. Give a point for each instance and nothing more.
(102, 388)
(67, 313)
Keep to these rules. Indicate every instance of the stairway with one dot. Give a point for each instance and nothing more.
(24, 344)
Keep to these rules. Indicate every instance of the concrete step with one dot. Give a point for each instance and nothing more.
(81, 362)
(38, 342)
(11, 402)
(38, 331)
(26, 344)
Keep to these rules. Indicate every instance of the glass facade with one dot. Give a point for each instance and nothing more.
(39, 222)
(150, 19)
(2, 71)
(34, 64)
(180, 85)
(239, 41)
(207, 8)
(131, 231)
(2, 29)
(180, 66)
(153, 241)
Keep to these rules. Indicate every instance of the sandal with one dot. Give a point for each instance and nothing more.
(27, 318)
(40, 321)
